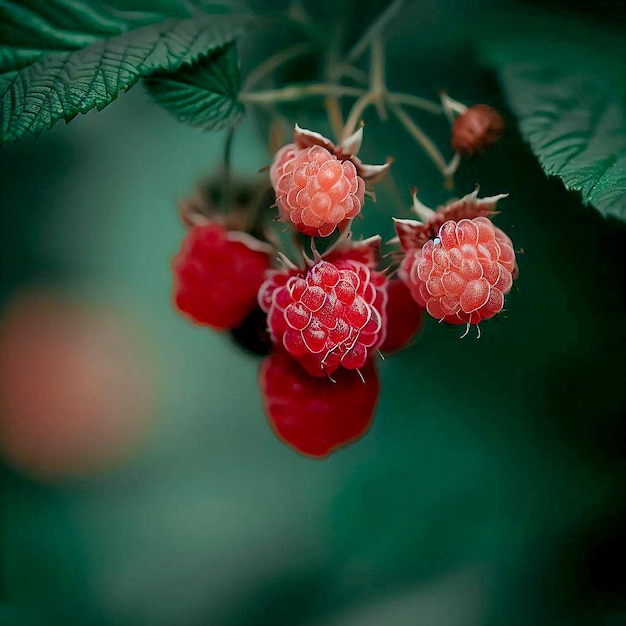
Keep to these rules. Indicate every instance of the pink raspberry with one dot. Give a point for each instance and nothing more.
(217, 275)
(462, 276)
(329, 318)
(316, 416)
(476, 129)
(315, 190)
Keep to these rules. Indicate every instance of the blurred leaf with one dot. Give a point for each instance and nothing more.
(50, 72)
(577, 128)
(203, 94)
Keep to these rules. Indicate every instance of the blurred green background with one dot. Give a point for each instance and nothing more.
(489, 491)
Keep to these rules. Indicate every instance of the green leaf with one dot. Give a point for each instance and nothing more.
(576, 125)
(203, 94)
(568, 93)
(68, 57)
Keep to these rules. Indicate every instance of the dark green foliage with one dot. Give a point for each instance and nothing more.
(576, 126)
(203, 94)
(62, 58)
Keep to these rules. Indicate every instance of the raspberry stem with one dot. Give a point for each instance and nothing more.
(298, 92)
(451, 106)
(415, 101)
(425, 142)
(356, 113)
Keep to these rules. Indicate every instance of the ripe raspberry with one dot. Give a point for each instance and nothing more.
(329, 318)
(316, 416)
(462, 276)
(476, 129)
(404, 317)
(315, 190)
(217, 275)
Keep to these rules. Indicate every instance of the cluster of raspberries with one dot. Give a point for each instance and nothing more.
(329, 317)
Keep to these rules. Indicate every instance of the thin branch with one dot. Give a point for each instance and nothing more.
(350, 71)
(415, 101)
(421, 138)
(357, 111)
(377, 84)
(296, 92)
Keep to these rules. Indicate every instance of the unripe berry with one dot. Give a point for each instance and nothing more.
(217, 275)
(316, 416)
(476, 129)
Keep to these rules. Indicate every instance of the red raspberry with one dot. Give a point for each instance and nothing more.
(462, 276)
(217, 275)
(315, 190)
(329, 318)
(316, 416)
(404, 317)
(476, 129)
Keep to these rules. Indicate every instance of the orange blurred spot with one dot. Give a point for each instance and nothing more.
(74, 387)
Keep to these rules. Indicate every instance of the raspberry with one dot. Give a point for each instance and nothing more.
(217, 275)
(462, 276)
(404, 317)
(320, 186)
(316, 416)
(329, 318)
(315, 190)
(476, 129)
